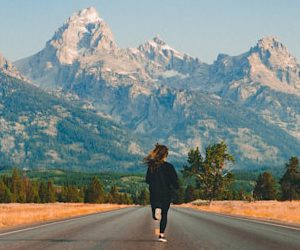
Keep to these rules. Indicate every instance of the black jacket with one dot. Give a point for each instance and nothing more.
(161, 181)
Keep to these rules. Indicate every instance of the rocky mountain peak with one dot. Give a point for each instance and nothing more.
(84, 32)
(270, 42)
(86, 15)
(274, 54)
(159, 51)
(157, 39)
(8, 69)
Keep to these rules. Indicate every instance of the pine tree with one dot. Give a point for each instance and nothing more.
(32, 194)
(5, 194)
(51, 193)
(190, 194)
(17, 187)
(43, 192)
(290, 181)
(209, 173)
(71, 193)
(265, 188)
(178, 194)
(127, 199)
(15, 179)
(114, 195)
(144, 197)
(95, 192)
(194, 161)
(21, 190)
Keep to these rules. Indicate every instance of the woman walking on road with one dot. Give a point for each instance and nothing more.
(161, 177)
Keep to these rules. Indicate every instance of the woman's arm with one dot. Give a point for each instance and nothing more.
(173, 177)
(148, 176)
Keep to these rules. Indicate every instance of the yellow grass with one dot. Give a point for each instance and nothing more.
(19, 214)
(271, 210)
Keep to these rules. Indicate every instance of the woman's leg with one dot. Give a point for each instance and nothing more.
(154, 205)
(164, 216)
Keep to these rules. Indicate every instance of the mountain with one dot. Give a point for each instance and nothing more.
(250, 100)
(265, 79)
(41, 130)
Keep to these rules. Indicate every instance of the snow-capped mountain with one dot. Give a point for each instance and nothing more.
(165, 95)
(83, 33)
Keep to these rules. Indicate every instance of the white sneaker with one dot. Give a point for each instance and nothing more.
(158, 213)
(162, 238)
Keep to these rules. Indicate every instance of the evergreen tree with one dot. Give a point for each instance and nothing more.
(265, 188)
(190, 194)
(290, 181)
(21, 193)
(114, 195)
(178, 194)
(43, 192)
(195, 162)
(209, 172)
(5, 194)
(32, 193)
(15, 179)
(71, 193)
(127, 199)
(50, 194)
(226, 193)
(17, 187)
(81, 194)
(109, 199)
(144, 197)
(95, 192)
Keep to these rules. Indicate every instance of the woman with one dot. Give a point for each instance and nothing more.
(161, 177)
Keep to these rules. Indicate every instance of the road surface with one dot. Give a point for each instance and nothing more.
(132, 228)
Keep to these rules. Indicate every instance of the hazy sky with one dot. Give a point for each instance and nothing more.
(200, 28)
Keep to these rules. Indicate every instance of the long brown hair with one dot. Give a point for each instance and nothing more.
(156, 157)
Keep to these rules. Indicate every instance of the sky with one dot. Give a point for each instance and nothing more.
(200, 28)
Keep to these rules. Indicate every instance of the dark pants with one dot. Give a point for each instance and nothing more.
(164, 206)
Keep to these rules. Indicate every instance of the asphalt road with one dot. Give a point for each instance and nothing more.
(132, 228)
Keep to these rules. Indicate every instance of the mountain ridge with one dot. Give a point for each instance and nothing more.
(143, 87)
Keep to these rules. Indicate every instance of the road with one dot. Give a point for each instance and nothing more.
(132, 228)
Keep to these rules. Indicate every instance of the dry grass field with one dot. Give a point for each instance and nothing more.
(14, 214)
(271, 210)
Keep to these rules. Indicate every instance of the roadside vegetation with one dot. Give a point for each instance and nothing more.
(14, 214)
(281, 211)
(204, 177)
(213, 181)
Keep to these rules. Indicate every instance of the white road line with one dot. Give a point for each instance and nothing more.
(52, 223)
(251, 220)
(44, 225)
(260, 222)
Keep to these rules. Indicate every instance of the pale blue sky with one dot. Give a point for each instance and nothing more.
(200, 28)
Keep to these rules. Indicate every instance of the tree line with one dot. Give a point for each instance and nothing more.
(287, 188)
(206, 177)
(18, 188)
